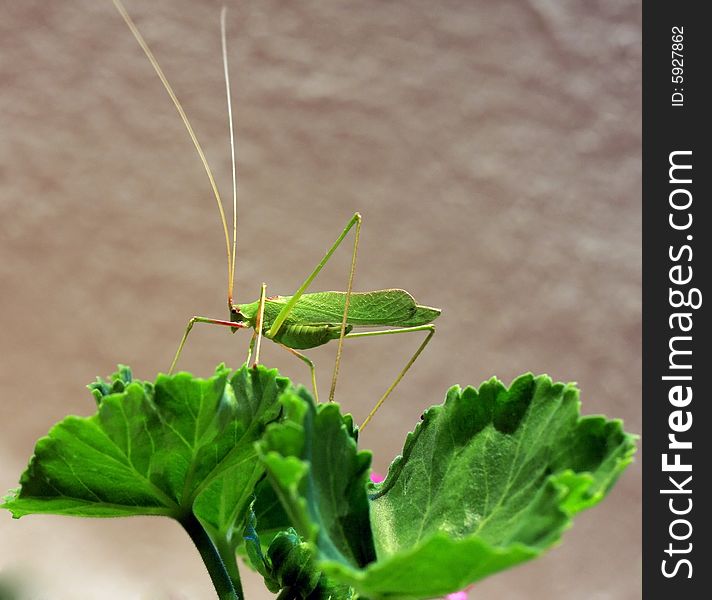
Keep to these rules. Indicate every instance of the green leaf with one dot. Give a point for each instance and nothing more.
(320, 477)
(182, 444)
(251, 549)
(269, 515)
(487, 480)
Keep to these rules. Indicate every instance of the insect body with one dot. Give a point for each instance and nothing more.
(316, 318)
(303, 320)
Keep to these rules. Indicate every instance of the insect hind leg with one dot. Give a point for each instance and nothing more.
(355, 221)
(431, 332)
(347, 302)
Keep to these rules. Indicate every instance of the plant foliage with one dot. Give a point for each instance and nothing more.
(486, 480)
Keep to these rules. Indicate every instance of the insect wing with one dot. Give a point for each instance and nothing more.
(382, 307)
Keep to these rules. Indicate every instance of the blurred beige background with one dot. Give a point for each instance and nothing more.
(492, 147)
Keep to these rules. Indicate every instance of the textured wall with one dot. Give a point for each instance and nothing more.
(492, 147)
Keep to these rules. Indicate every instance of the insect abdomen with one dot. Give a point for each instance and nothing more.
(301, 337)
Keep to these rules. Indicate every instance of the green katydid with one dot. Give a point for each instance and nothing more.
(303, 320)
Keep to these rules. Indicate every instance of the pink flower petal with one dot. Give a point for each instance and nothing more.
(376, 477)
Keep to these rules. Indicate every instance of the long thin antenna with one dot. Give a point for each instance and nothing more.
(152, 59)
(223, 37)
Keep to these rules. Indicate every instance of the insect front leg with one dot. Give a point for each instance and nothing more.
(431, 332)
(192, 322)
(257, 335)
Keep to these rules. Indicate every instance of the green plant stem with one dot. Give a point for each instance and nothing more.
(222, 581)
(229, 558)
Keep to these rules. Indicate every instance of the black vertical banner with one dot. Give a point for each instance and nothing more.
(677, 422)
